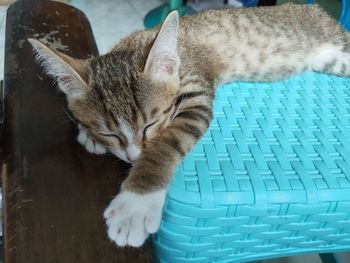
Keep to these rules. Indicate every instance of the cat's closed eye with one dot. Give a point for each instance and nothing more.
(110, 135)
(148, 126)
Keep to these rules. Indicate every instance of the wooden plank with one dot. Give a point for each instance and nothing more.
(6, 2)
(54, 191)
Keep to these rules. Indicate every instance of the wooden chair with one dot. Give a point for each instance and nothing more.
(54, 191)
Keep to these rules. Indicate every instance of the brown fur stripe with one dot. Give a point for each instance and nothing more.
(187, 95)
(329, 66)
(175, 143)
(193, 115)
(190, 129)
(153, 159)
(190, 81)
(201, 108)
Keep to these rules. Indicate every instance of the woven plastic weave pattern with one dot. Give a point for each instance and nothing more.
(271, 176)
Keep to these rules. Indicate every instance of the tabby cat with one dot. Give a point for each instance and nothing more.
(149, 100)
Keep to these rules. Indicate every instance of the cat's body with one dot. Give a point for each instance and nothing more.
(253, 44)
(149, 100)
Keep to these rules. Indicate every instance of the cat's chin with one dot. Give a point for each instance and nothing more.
(125, 160)
(120, 155)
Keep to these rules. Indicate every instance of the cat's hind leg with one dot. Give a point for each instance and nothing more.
(332, 60)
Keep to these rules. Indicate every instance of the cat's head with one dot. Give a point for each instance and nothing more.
(123, 99)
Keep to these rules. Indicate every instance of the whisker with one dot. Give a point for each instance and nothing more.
(61, 123)
(177, 109)
(70, 117)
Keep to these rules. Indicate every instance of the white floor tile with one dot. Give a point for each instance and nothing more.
(343, 257)
(110, 20)
(3, 10)
(142, 7)
(314, 258)
(205, 4)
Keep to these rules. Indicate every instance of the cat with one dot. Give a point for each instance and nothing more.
(149, 100)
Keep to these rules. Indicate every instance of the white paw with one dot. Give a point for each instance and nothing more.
(131, 217)
(330, 59)
(90, 145)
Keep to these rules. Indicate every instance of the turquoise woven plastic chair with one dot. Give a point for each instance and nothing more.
(270, 178)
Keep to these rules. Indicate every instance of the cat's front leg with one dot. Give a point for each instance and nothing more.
(136, 211)
(90, 145)
(132, 216)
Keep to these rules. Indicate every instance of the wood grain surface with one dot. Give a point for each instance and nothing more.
(54, 191)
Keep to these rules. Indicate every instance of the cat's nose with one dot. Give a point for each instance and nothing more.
(132, 152)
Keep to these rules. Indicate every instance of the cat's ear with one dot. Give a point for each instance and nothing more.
(66, 70)
(163, 61)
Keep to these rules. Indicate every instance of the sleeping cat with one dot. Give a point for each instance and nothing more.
(149, 100)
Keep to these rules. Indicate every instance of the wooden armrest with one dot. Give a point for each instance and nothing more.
(54, 191)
